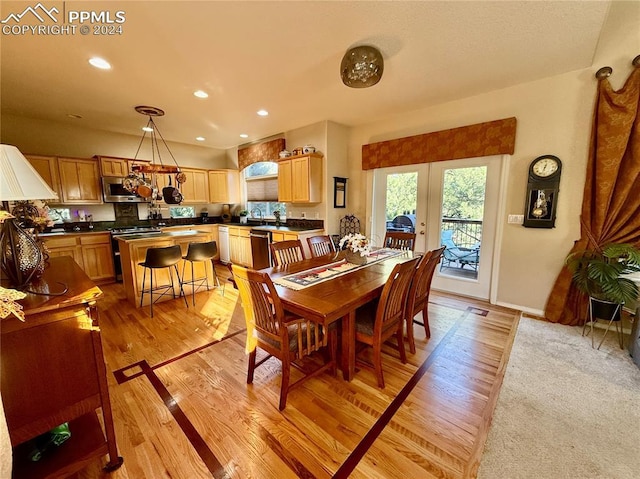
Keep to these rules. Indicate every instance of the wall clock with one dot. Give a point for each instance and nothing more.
(542, 192)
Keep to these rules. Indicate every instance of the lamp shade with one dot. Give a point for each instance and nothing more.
(19, 181)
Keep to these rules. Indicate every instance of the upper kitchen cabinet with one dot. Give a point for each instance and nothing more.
(79, 181)
(47, 167)
(224, 186)
(110, 166)
(300, 179)
(196, 187)
(114, 166)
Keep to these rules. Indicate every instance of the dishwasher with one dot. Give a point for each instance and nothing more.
(260, 250)
(223, 239)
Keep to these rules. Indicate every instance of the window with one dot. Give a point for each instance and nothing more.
(261, 180)
(182, 212)
(267, 208)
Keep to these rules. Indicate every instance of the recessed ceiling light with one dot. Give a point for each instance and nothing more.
(201, 94)
(200, 138)
(147, 128)
(74, 116)
(263, 112)
(244, 135)
(100, 63)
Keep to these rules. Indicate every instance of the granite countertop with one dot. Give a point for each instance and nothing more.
(163, 235)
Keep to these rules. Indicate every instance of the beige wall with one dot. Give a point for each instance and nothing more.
(41, 137)
(554, 117)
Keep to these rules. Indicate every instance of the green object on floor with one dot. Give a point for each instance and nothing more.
(54, 437)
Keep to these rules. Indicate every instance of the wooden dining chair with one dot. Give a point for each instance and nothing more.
(285, 252)
(418, 296)
(399, 240)
(320, 245)
(376, 323)
(288, 338)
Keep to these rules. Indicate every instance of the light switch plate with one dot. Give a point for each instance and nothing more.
(515, 219)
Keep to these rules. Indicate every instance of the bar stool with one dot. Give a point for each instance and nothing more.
(158, 258)
(199, 252)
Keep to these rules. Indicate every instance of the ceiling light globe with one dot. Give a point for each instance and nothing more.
(361, 67)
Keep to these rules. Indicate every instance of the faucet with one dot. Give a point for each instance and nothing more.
(253, 214)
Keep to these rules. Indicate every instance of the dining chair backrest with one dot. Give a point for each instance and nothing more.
(320, 245)
(262, 306)
(376, 327)
(392, 304)
(399, 240)
(285, 252)
(287, 340)
(418, 296)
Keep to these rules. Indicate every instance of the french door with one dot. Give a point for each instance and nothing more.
(455, 202)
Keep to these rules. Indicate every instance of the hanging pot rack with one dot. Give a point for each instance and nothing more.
(152, 129)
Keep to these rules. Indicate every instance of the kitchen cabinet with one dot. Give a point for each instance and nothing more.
(196, 187)
(53, 371)
(285, 182)
(224, 186)
(47, 168)
(91, 251)
(300, 179)
(110, 166)
(79, 181)
(240, 246)
(115, 166)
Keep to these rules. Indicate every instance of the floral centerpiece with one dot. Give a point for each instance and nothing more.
(358, 247)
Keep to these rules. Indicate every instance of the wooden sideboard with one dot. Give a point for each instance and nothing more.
(53, 371)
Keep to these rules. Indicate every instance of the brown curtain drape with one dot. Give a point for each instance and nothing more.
(611, 200)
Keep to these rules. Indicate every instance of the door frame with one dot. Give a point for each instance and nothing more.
(504, 166)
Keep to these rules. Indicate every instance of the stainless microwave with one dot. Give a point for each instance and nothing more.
(113, 191)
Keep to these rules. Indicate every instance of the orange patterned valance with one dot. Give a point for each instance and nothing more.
(266, 151)
(482, 139)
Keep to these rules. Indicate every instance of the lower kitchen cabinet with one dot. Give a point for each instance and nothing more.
(91, 251)
(240, 246)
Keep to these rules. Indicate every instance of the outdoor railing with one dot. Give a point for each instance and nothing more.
(467, 233)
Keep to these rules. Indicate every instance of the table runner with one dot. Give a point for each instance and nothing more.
(319, 274)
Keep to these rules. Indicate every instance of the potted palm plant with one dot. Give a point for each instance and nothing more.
(600, 274)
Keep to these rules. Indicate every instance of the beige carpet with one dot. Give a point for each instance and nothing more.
(565, 410)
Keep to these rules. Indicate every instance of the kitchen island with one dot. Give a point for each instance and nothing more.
(133, 250)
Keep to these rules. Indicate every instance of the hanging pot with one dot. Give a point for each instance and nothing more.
(144, 189)
(171, 195)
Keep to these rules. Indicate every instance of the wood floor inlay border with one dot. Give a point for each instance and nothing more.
(192, 434)
(369, 438)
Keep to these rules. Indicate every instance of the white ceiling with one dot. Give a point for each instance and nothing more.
(285, 57)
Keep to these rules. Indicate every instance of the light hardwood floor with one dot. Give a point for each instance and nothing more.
(183, 409)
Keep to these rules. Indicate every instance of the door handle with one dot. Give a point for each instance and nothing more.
(421, 232)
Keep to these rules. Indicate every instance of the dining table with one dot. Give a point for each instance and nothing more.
(335, 300)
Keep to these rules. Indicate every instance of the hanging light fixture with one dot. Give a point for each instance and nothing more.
(361, 67)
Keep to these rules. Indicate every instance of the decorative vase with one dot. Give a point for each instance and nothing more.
(22, 257)
(355, 258)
